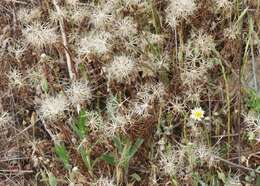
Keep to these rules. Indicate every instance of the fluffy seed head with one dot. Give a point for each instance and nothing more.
(141, 108)
(77, 14)
(135, 2)
(223, 3)
(94, 43)
(72, 2)
(252, 121)
(204, 43)
(126, 27)
(117, 120)
(95, 121)
(152, 91)
(28, 15)
(233, 181)
(171, 162)
(79, 92)
(53, 107)
(179, 10)
(4, 119)
(120, 69)
(103, 181)
(100, 17)
(55, 16)
(17, 49)
(15, 78)
(39, 35)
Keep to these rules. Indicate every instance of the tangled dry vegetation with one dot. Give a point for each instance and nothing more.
(130, 92)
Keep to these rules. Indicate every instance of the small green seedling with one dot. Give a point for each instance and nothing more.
(253, 101)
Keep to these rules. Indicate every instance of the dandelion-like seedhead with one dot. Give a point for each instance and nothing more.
(5, 119)
(126, 27)
(77, 14)
(233, 181)
(172, 162)
(204, 43)
(223, 4)
(53, 108)
(117, 119)
(178, 10)
(17, 49)
(95, 120)
(231, 32)
(159, 63)
(151, 91)
(194, 76)
(141, 108)
(252, 121)
(25, 16)
(56, 15)
(135, 2)
(15, 78)
(101, 17)
(147, 94)
(151, 38)
(118, 122)
(205, 154)
(72, 2)
(79, 92)
(40, 35)
(104, 181)
(169, 162)
(94, 43)
(177, 105)
(35, 76)
(121, 68)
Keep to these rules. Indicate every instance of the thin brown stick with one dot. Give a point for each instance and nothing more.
(64, 40)
(236, 165)
(14, 171)
(240, 87)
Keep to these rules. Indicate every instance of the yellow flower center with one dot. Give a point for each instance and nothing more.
(198, 114)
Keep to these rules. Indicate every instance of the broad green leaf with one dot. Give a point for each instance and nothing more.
(80, 126)
(52, 179)
(110, 159)
(86, 158)
(258, 181)
(117, 142)
(63, 154)
(45, 86)
(136, 177)
(135, 147)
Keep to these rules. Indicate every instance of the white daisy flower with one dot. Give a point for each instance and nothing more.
(197, 113)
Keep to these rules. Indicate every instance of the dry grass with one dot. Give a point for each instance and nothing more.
(129, 92)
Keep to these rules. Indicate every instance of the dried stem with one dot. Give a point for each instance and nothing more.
(64, 40)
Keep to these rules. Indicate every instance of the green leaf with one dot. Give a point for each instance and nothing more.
(253, 101)
(110, 159)
(80, 126)
(63, 154)
(258, 181)
(86, 158)
(117, 142)
(52, 179)
(45, 86)
(135, 147)
(136, 177)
